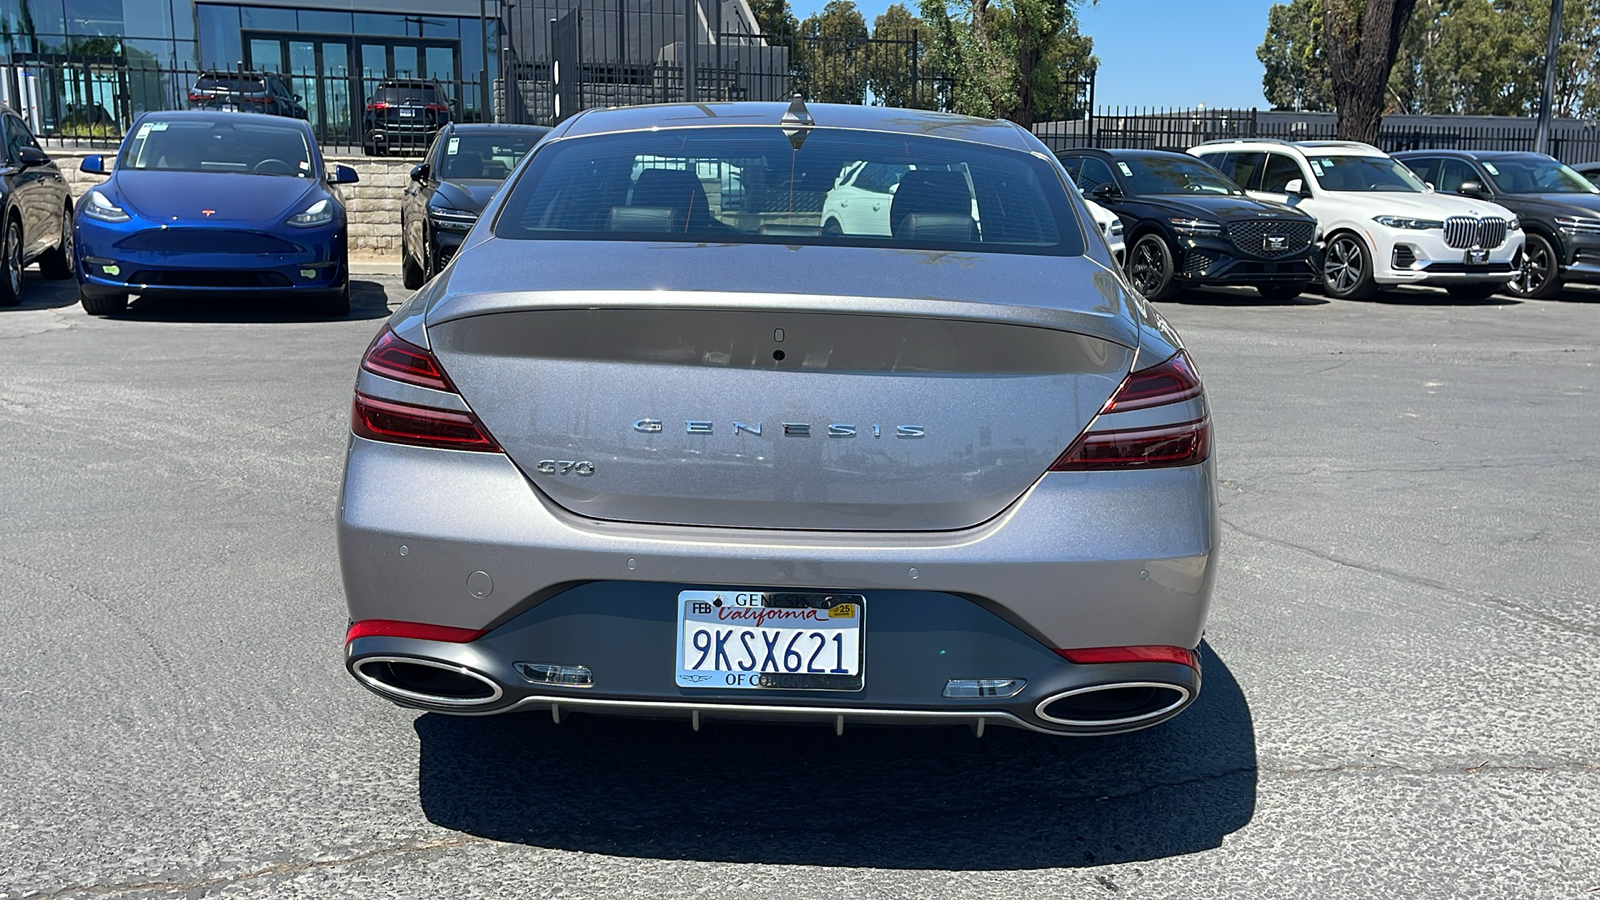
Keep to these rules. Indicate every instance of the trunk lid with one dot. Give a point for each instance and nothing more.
(761, 409)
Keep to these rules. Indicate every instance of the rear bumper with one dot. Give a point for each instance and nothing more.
(1097, 559)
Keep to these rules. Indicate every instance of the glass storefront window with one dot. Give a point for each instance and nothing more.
(145, 18)
(47, 19)
(219, 36)
(324, 22)
(94, 18)
(262, 18)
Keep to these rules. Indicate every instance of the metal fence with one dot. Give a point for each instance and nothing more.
(1571, 140)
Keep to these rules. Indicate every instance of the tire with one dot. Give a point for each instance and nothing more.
(1150, 267)
(108, 304)
(334, 304)
(430, 267)
(410, 272)
(1280, 291)
(368, 149)
(1347, 269)
(11, 263)
(831, 228)
(1541, 273)
(61, 263)
(1475, 291)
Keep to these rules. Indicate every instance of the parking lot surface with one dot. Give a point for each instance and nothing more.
(1401, 668)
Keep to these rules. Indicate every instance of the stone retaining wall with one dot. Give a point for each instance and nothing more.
(373, 203)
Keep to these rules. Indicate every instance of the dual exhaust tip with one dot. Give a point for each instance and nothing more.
(441, 684)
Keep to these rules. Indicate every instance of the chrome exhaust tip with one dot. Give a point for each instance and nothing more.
(412, 679)
(1111, 705)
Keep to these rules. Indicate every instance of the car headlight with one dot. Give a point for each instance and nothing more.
(1197, 227)
(318, 213)
(1408, 223)
(1514, 224)
(1578, 224)
(97, 207)
(453, 219)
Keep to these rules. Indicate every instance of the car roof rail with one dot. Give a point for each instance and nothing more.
(1349, 145)
(1251, 140)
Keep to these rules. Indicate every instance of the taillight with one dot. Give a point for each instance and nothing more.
(1091, 655)
(377, 104)
(418, 630)
(195, 96)
(379, 419)
(437, 108)
(1183, 443)
(253, 98)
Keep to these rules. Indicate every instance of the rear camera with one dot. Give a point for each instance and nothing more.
(777, 355)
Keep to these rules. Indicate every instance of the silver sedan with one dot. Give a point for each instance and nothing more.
(658, 442)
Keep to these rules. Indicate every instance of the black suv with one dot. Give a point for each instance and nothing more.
(1187, 224)
(403, 114)
(1558, 208)
(260, 92)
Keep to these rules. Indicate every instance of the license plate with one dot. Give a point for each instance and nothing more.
(770, 640)
(407, 113)
(1477, 257)
(228, 107)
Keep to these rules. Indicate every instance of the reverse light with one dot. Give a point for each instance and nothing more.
(100, 209)
(418, 630)
(1148, 446)
(318, 213)
(392, 422)
(1094, 655)
(1407, 223)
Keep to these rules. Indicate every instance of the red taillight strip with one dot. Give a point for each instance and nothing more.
(1151, 653)
(419, 630)
(392, 357)
(1165, 446)
(1172, 381)
(402, 423)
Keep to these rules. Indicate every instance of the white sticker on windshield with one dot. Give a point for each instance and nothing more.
(1491, 168)
(143, 130)
(1316, 168)
(455, 144)
(159, 126)
(1124, 167)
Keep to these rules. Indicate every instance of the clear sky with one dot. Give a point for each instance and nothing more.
(1178, 53)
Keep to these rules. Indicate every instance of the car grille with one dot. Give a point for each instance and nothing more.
(1251, 236)
(217, 278)
(1462, 232)
(1195, 263)
(206, 240)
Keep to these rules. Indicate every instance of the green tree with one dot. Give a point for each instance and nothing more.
(831, 55)
(1296, 73)
(774, 17)
(1007, 58)
(899, 64)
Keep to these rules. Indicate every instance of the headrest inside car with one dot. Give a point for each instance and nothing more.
(642, 218)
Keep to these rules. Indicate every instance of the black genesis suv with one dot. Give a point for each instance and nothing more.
(1187, 224)
(1558, 208)
(259, 92)
(403, 114)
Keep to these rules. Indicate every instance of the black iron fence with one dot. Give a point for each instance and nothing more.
(1571, 140)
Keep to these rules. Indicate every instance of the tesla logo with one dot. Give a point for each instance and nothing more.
(207, 212)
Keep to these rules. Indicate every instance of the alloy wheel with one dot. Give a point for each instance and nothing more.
(1536, 269)
(13, 261)
(1343, 268)
(1146, 269)
(67, 252)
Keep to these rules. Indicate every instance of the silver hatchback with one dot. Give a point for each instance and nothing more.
(661, 442)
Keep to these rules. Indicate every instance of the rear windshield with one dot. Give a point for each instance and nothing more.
(418, 94)
(483, 155)
(255, 145)
(230, 83)
(823, 186)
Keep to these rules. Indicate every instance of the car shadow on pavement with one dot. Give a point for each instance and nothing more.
(368, 300)
(898, 798)
(1243, 297)
(38, 293)
(1414, 296)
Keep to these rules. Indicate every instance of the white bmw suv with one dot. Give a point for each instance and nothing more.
(1381, 226)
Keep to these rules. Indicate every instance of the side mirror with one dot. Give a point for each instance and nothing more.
(298, 98)
(1107, 191)
(32, 156)
(343, 175)
(419, 174)
(94, 165)
(1294, 187)
(1473, 189)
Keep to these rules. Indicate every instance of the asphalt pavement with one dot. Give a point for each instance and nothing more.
(1402, 668)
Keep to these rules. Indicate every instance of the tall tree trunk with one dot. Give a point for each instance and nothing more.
(1362, 40)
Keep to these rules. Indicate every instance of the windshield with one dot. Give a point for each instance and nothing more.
(483, 155)
(230, 142)
(1364, 173)
(1173, 175)
(1535, 175)
(755, 185)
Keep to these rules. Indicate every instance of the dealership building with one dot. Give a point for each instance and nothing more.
(86, 67)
